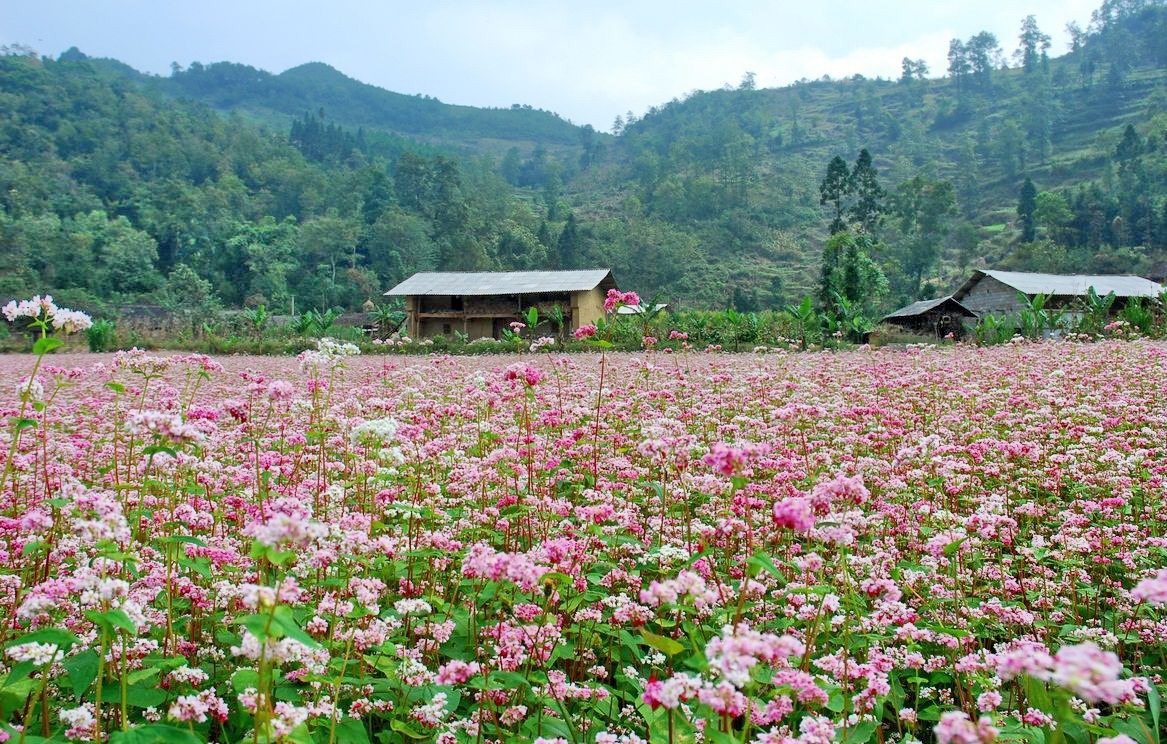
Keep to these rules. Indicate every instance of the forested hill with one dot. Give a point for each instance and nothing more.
(741, 168)
(315, 86)
(222, 183)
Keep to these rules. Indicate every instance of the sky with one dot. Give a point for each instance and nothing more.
(587, 60)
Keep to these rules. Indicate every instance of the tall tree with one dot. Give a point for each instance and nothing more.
(923, 210)
(568, 245)
(834, 189)
(1033, 47)
(867, 211)
(983, 52)
(958, 66)
(1026, 208)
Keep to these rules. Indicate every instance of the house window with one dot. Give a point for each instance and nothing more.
(445, 329)
(456, 303)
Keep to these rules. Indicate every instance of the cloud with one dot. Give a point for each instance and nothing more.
(585, 60)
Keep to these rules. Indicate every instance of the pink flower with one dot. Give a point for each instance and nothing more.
(728, 459)
(1092, 674)
(525, 373)
(616, 299)
(956, 728)
(584, 331)
(1152, 590)
(795, 514)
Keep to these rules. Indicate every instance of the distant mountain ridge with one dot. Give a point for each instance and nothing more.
(316, 86)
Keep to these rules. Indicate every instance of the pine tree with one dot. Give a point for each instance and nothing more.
(867, 212)
(836, 186)
(1026, 206)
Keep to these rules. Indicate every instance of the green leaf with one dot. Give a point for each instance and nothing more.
(351, 730)
(666, 646)
(412, 733)
(284, 619)
(155, 733)
(1153, 705)
(117, 387)
(82, 670)
(46, 344)
(244, 678)
(1136, 728)
(57, 636)
(141, 674)
(860, 734)
(1037, 694)
(139, 697)
(762, 561)
(835, 701)
(260, 628)
(111, 620)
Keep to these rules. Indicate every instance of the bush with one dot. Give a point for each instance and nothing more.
(102, 335)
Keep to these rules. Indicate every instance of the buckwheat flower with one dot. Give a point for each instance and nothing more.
(37, 653)
(332, 347)
(738, 649)
(432, 713)
(795, 514)
(586, 330)
(616, 299)
(1153, 590)
(528, 374)
(412, 607)
(988, 701)
(287, 718)
(1117, 739)
(33, 308)
(728, 459)
(70, 321)
(188, 675)
(456, 672)
(80, 722)
(378, 431)
(1092, 674)
(279, 390)
(956, 728)
(188, 708)
(30, 390)
(289, 525)
(163, 425)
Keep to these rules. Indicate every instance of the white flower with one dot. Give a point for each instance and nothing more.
(379, 430)
(38, 653)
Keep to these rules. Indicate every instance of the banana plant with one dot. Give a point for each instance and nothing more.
(806, 320)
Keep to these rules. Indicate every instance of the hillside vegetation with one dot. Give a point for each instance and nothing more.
(223, 184)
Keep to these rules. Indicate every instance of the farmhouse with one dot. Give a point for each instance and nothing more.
(990, 292)
(483, 303)
(939, 317)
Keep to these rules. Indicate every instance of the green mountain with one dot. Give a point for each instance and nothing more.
(276, 99)
(230, 183)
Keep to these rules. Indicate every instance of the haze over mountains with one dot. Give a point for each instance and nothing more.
(312, 184)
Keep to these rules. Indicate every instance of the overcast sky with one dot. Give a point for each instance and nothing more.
(587, 60)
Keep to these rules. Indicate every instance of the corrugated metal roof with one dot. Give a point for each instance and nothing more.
(1072, 285)
(503, 282)
(923, 306)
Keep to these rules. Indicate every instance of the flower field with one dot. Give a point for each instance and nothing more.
(947, 545)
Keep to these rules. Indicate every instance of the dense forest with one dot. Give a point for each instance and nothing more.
(225, 185)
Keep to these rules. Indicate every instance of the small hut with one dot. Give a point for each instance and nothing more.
(991, 292)
(938, 317)
(484, 303)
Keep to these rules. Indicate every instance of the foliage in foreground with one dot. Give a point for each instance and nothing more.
(891, 546)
